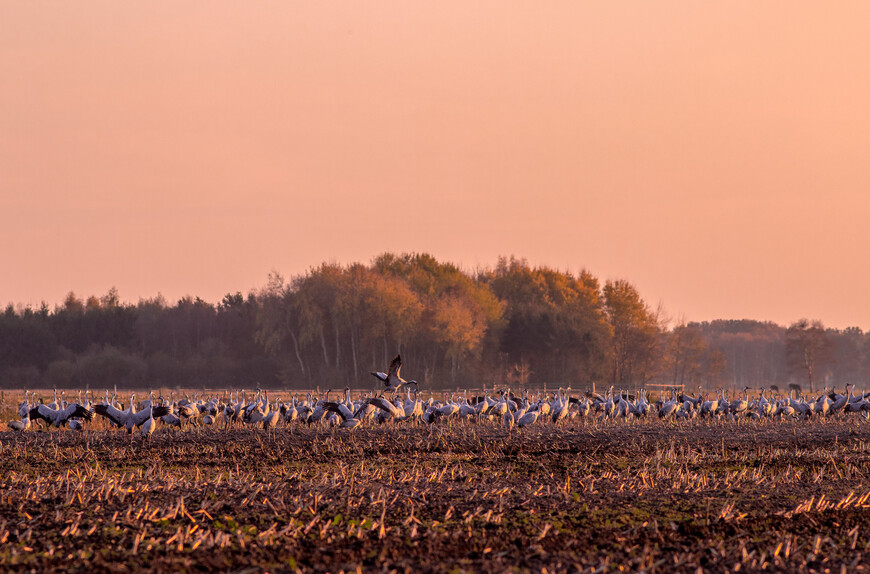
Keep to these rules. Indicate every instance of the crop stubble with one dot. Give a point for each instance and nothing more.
(623, 496)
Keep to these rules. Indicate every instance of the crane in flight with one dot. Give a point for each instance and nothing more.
(391, 379)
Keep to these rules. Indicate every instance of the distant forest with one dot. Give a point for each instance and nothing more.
(511, 325)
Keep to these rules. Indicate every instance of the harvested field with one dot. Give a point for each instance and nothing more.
(629, 496)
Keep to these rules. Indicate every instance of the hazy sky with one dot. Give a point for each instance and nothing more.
(716, 154)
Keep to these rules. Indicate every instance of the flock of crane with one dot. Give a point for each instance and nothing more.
(502, 407)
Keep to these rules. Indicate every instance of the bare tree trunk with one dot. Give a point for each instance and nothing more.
(337, 346)
(386, 351)
(808, 364)
(353, 355)
(298, 355)
(323, 345)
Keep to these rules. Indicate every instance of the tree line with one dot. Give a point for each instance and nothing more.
(511, 324)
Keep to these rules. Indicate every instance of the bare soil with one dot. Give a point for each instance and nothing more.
(608, 497)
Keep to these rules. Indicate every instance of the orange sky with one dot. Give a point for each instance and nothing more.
(715, 154)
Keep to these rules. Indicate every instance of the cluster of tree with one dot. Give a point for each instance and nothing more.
(102, 343)
(806, 354)
(512, 324)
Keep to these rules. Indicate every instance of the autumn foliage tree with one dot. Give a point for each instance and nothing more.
(556, 325)
(460, 316)
(636, 334)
